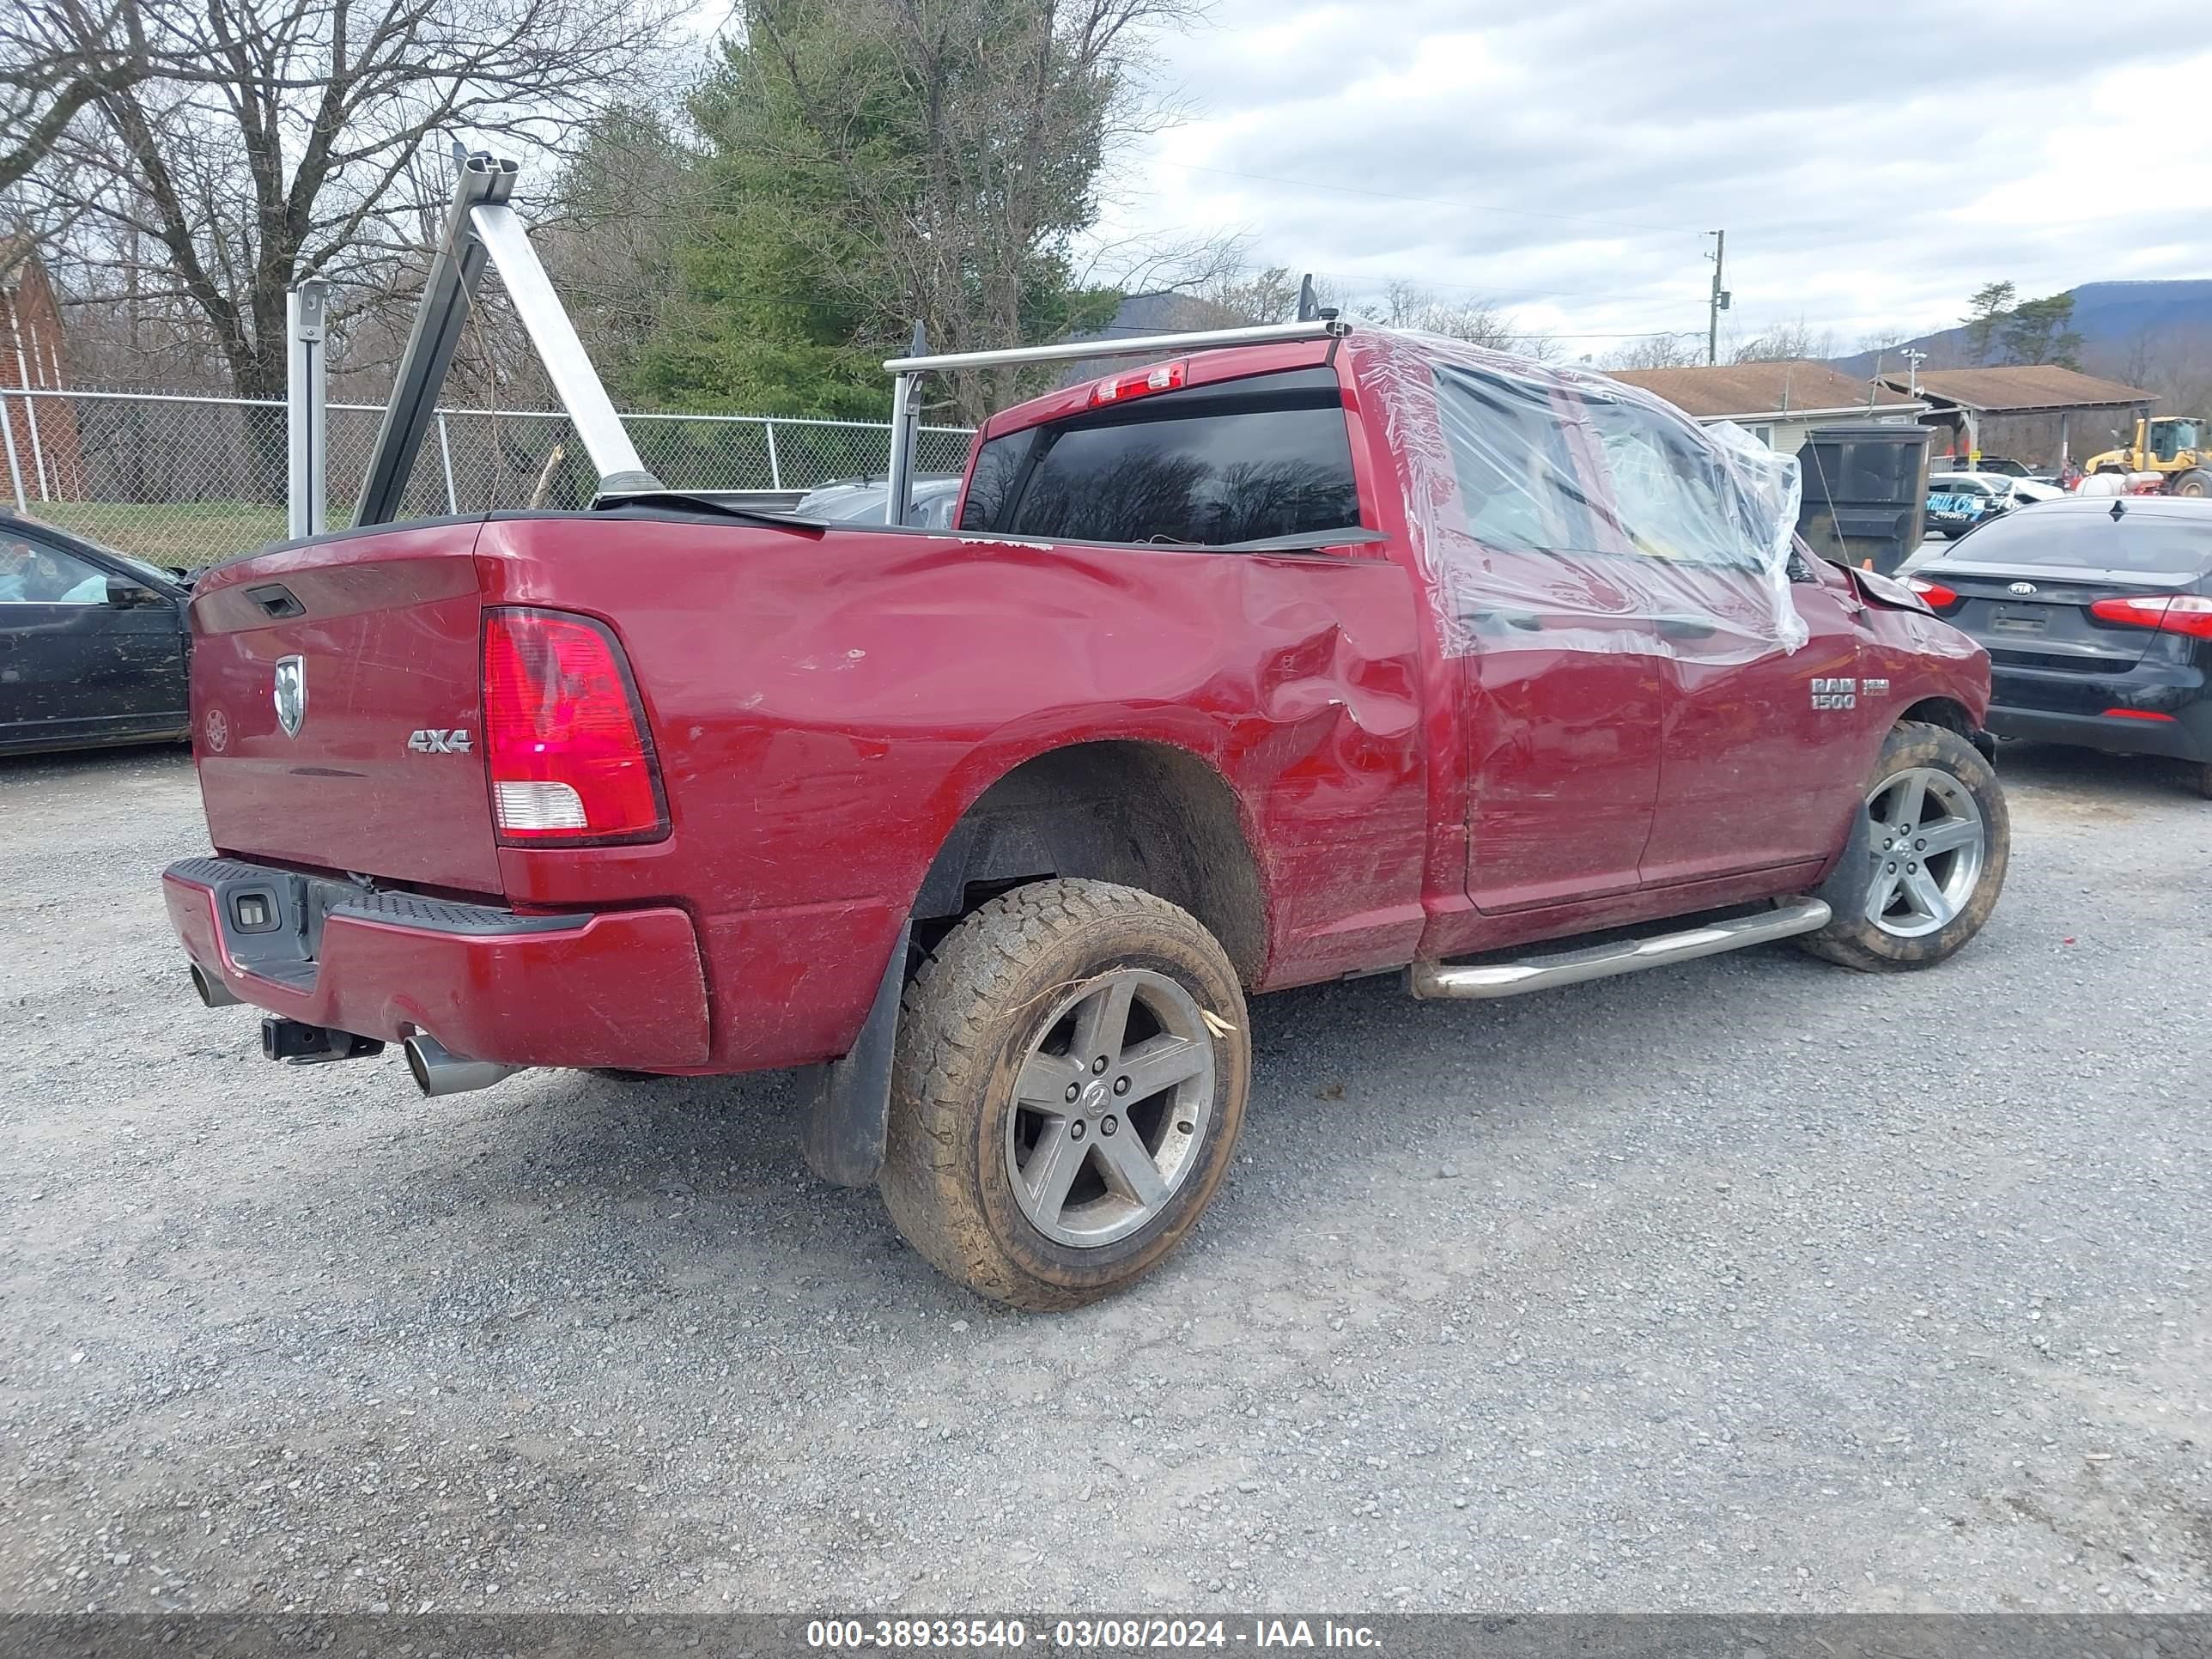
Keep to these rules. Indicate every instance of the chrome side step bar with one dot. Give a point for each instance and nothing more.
(1439, 980)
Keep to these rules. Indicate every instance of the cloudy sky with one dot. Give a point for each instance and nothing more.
(1873, 161)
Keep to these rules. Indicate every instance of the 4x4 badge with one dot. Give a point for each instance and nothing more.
(291, 693)
(434, 741)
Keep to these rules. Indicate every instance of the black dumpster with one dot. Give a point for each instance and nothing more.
(1866, 493)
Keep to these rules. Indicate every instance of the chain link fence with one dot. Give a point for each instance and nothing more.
(185, 480)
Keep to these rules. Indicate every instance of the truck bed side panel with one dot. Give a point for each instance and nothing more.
(827, 706)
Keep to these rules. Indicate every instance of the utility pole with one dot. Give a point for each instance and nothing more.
(1720, 301)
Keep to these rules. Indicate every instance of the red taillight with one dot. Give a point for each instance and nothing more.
(2134, 715)
(2184, 613)
(1939, 596)
(1161, 377)
(564, 738)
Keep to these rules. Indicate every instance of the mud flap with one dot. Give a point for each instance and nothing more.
(1844, 892)
(848, 1106)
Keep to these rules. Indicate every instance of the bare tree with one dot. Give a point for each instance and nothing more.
(1785, 342)
(1659, 351)
(1405, 304)
(56, 58)
(305, 138)
(1889, 338)
(1243, 295)
(2173, 362)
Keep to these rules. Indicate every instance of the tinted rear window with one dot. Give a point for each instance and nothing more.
(2138, 541)
(1238, 461)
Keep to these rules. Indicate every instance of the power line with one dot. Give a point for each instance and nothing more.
(1632, 334)
(1429, 201)
(1351, 283)
(1518, 334)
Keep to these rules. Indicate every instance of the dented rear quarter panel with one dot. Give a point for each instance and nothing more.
(827, 706)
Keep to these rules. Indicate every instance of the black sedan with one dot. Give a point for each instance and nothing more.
(2097, 615)
(92, 644)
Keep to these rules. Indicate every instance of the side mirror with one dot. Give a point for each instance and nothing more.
(127, 595)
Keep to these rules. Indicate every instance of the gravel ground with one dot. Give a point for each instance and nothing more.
(1753, 1283)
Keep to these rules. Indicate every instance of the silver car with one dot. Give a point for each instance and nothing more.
(864, 501)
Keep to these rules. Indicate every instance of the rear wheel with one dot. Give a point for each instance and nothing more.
(2197, 481)
(2200, 773)
(1070, 1079)
(1925, 867)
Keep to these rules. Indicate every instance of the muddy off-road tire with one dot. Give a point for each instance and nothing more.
(1070, 1079)
(1934, 848)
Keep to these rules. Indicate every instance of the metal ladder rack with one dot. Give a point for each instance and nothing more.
(482, 227)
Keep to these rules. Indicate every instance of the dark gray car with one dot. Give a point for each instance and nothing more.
(2097, 615)
(92, 643)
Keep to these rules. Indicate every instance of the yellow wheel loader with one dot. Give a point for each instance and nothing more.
(2178, 447)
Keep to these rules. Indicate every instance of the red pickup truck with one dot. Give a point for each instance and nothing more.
(1259, 666)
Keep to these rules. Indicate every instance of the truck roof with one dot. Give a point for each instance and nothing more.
(1201, 368)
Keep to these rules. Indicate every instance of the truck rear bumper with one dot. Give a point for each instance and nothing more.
(615, 989)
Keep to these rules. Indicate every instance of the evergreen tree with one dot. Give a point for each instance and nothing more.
(1984, 311)
(877, 161)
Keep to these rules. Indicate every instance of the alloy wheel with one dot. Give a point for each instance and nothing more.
(1110, 1105)
(1927, 840)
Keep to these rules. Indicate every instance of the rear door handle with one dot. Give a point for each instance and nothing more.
(1686, 628)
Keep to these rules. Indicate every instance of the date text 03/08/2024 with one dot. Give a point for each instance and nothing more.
(1081, 1634)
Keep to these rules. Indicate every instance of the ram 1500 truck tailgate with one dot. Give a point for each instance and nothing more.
(336, 708)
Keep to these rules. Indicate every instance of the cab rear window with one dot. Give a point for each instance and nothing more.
(1209, 466)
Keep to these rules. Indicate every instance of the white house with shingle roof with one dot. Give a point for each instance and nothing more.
(1778, 402)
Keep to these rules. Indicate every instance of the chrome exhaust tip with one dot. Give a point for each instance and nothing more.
(437, 1072)
(212, 991)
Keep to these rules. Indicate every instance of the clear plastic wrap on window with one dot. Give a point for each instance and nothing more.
(1555, 508)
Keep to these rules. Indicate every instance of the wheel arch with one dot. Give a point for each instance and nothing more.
(1139, 811)
(1946, 712)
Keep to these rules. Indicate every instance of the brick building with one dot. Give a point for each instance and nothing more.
(39, 440)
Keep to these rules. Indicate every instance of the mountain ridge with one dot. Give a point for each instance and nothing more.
(2118, 321)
